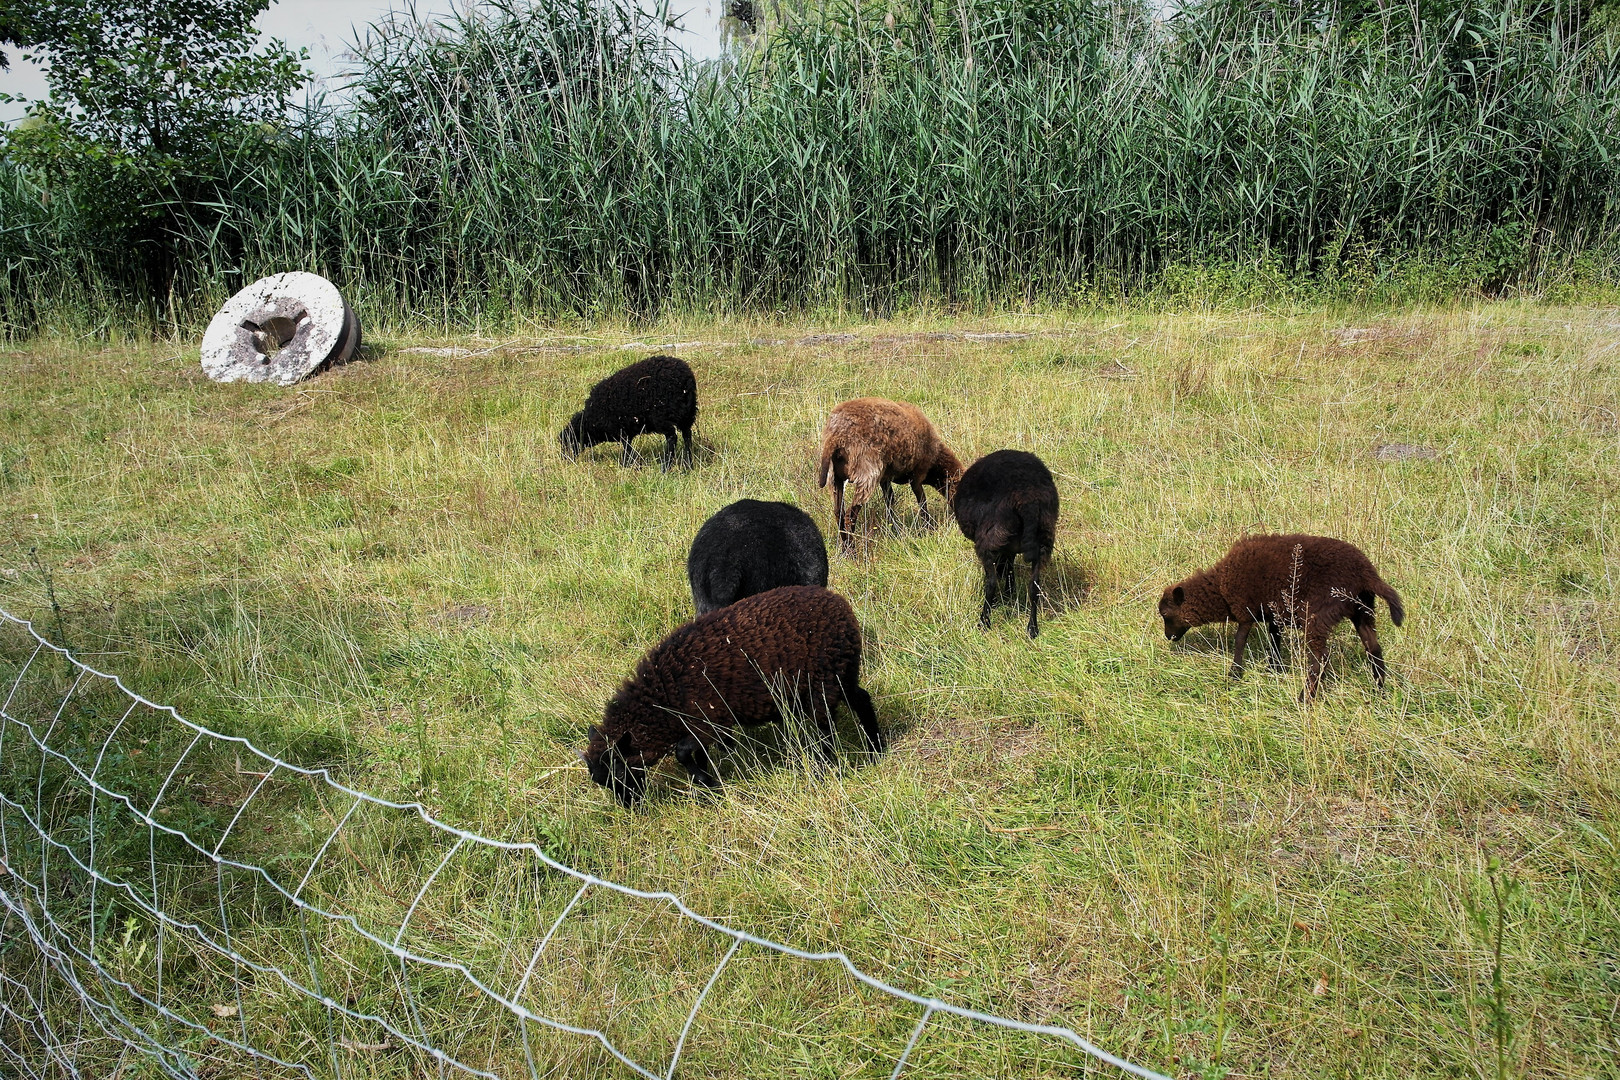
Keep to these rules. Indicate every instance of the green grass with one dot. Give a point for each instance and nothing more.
(390, 569)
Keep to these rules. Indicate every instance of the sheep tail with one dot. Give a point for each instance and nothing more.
(829, 456)
(1397, 613)
(1030, 542)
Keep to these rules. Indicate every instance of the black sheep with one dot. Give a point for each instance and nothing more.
(732, 666)
(751, 547)
(656, 396)
(1007, 504)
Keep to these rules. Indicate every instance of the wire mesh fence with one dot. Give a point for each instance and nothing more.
(176, 901)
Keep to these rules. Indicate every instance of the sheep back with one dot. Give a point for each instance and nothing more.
(1290, 574)
(870, 440)
(1284, 578)
(1008, 500)
(751, 547)
(719, 670)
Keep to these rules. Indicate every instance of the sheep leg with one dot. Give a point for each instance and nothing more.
(888, 502)
(992, 574)
(827, 740)
(1009, 579)
(860, 703)
(670, 446)
(686, 435)
(1035, 598)
(628, 456)
(922, 505)
(694, 757)
(1362, 619)
(819, 706)
(1237, 648)
(1274, 651)
(846, 542)
(1316, 641)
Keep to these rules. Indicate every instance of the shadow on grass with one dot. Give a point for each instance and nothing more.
(649, 453)
(791, 745)
(1065, 588)
(238, 665)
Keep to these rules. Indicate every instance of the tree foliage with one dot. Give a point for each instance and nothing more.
(144, 94)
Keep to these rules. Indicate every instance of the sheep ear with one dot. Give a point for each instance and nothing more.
(1178, 595)
(593, 732)
(582, 757)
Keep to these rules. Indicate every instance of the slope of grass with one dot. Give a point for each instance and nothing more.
(389, 569)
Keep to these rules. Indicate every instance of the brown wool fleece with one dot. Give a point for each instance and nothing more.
(873, 443)
(1311, 582)
(712, 673)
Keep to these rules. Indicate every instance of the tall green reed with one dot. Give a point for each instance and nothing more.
(563, 158)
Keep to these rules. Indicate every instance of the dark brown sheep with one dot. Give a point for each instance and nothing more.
(1310, 582)
(873, 443)
(733, 666)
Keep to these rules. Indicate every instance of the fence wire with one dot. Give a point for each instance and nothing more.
(155, 951)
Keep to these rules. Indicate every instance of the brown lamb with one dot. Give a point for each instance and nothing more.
(735, 665)
(873, 443)
(1310, 582)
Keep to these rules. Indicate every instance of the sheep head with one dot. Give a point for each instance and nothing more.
(1190, 603)
(610, 766)
(573, 438)
(945, 473)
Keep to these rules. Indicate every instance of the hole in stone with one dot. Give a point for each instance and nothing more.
(272, 335)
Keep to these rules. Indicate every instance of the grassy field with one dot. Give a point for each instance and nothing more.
(389, 569)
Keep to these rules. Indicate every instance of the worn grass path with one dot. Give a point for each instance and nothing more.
(390, 569)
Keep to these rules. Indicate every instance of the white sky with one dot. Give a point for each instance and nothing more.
(326, 27)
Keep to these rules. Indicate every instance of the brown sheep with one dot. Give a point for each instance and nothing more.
(1312, 582)
(733, 666)
(872, 443)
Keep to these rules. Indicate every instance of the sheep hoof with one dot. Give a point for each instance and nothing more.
(1237, 671)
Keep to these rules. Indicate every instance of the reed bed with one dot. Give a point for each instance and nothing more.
(563, 159)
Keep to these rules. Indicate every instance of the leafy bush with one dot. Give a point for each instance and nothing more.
(143, 94)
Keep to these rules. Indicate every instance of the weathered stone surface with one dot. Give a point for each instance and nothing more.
(349, 341)
(280, 329)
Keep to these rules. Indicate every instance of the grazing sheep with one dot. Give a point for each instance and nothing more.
(656, 396)
(1007, 504)
(1312, 582)
(730, 667)
(751, 547)
(871, 443)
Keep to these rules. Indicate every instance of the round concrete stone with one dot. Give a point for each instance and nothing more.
(348, 341)
(279, 329)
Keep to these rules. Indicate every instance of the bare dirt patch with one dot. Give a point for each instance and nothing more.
(1400, 451)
